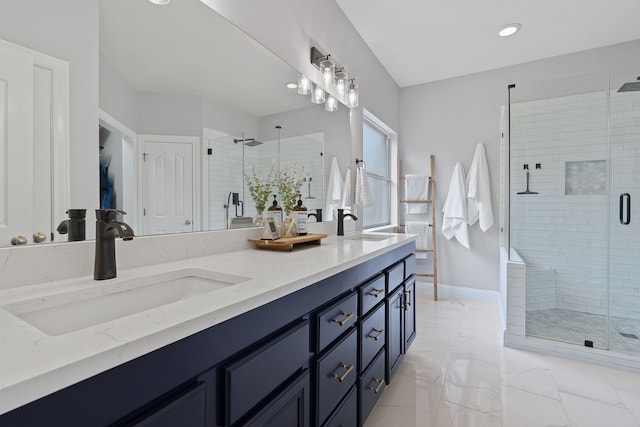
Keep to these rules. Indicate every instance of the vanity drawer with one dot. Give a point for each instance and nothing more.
(336, 372)
(409, 266)
(251, 378)
(372, 384)
(347, 414)
(395, 276)
(333, 321)
(371, 293)
(372, 336)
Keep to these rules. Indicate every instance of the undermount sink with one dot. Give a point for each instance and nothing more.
(369, 237)
(72, 311)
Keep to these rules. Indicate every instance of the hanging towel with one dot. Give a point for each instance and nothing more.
(346, 191)
(454, 221)
(423, 231)
(416, 187)
(334, 190)
(363, 193)
(479, 191)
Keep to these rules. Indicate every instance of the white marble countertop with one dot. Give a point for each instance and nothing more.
(34, 364)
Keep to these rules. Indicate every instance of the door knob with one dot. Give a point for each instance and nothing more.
(39, 237)
(18, 240)
(187, 222)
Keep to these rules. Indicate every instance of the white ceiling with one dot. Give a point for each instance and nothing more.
(187, 48)
(420, 41)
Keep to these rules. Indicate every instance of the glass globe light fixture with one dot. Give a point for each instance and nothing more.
(353, 95)
(304, 85)
(317, 95)
(331, 104)
(328, 70)
(342, 82)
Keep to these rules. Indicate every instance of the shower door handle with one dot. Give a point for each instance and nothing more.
(623, 220)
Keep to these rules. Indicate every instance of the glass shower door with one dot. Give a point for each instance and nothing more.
(624, 256)
(559, 205)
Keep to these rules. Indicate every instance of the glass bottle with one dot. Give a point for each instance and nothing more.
(300, 214)
(275, 212)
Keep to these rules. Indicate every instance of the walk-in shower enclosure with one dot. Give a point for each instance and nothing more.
(573, 162)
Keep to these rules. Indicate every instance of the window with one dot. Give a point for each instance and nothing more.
(376, 154)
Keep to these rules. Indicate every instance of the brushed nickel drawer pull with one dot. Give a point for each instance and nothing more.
(377, 388)
(375, 337)
(344, 320)
(375, 292)
(347, 369)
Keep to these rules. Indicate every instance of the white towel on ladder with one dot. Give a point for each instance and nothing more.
(423, 230)
(363, 192)
(346, 191)
(454, 221)
(479, 190)
(334, 190)
(416, 187)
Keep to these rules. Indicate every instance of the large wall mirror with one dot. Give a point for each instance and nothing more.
(188, 103)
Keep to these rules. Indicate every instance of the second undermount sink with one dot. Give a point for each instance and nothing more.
(72, 311)
(369, 237)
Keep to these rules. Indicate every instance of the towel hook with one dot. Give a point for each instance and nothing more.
(358, 161)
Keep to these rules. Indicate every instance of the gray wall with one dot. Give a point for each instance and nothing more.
(117, 96)
(448, 118)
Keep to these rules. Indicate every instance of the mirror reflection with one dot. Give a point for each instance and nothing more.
(189, 104)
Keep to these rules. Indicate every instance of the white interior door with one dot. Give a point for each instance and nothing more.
(16, 145)
(168, 183)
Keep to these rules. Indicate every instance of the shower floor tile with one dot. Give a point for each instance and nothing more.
(576, 327)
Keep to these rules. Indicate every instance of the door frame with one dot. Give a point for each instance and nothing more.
(195, 176)
(131, 138)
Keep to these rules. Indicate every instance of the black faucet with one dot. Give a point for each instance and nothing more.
(341, 216)
(317, 215)
(107, 229)
(74, 226)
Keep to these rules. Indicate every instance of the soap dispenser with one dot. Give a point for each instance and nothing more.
(300, 214)
(275, 212)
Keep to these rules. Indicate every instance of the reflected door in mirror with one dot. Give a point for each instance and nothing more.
(168, 184)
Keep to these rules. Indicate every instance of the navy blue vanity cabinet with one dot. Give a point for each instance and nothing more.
(336, 372)
(187, 408)
(289, 408)
(250, 378)
(372, 293)
(303, 360)
(409, 312)
(401, 312)
(372, 384)
(346, 415)
(395, 338)
(372, 336)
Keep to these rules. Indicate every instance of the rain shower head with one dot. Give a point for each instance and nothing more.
(630, 86)
(249, 142)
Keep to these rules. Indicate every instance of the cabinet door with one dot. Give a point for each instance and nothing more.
(188, 409)
(409, 313)
(347, 413)
(395, 339)
(289, 409)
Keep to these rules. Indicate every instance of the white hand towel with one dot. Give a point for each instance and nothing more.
(363, 192)
(454, 221)
(423, 231)
(479, 193)
(346, 191)
(334, 190)
(416, 187)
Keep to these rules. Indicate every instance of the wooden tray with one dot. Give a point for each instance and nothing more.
(287, 243)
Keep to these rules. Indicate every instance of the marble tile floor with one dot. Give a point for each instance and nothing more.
(576, 327)
(457, 373)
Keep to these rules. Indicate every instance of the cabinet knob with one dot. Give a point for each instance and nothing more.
(39, 237)
(187, 222)
(18, 240)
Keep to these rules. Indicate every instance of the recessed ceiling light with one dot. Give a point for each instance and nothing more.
(509, 30)
(160, 2)
(292, 85)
